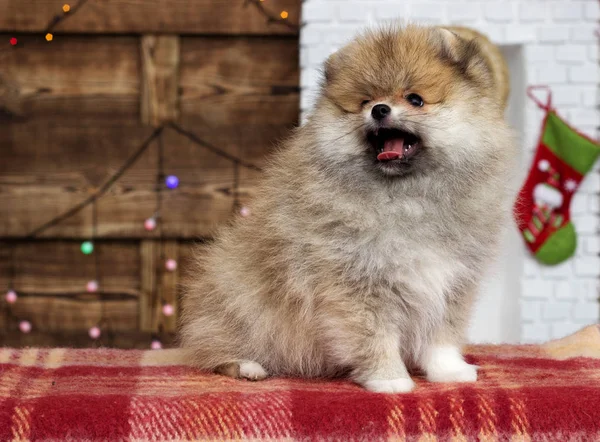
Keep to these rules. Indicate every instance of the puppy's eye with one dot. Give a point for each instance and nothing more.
(365, 102)
(415, 100)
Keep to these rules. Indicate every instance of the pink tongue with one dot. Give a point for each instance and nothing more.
(392, 149)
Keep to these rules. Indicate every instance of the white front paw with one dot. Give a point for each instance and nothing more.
(463, 373)
(400, 385)
(445, 364)
(252, 371)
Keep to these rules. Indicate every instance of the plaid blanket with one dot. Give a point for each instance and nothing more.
(525, 393)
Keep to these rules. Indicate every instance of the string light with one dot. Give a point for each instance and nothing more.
(87, 247)
(25, 326)
(171, 265)
(94, 332)
(168, 310)
(172, 182)
(150, 224)
(11, 297)
(91, 286)
(281, 18)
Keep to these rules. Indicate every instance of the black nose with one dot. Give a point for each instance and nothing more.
(380, 111)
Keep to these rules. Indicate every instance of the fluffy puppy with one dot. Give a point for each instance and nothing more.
(372, 227)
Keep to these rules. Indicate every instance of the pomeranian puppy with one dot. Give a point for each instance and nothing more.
(372, 227)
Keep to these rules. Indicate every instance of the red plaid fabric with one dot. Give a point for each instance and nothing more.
(525, 393)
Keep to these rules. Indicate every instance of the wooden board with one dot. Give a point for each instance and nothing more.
(240, 94)
(150, 16)
(80, 339)
(59, 267)
(160, 79)
(74, 110)
(89, 78)
(160, 286)
(168, 287)
(237, 94)
(44, 185)
(50, 313)
(44, 268)
(50, 278)
(148, 287)
(239, 83)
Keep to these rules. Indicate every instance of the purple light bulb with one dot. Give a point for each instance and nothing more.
(172, 182)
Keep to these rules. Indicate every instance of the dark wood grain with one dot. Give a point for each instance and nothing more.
(239, 82)
(60, 268)
(80, 339)
(62, 170)
(93, 78)
(50, 278)
(51, 313)
(160, 79)
(73, 110)
(150, 16)
(55, 159)
(148, 273)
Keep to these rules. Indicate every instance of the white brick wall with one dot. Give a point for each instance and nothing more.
(559, 49)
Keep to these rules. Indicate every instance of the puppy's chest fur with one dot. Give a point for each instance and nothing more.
(403, 254)
(411, 244)
(414, 255)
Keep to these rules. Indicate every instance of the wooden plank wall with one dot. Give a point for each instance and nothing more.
(74, 109)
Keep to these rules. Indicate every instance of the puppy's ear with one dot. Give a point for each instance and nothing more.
(330, 66)
(477, 59)
(466, 54)
(448, 42)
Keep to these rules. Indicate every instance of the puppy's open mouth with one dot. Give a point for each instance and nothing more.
(393, 144)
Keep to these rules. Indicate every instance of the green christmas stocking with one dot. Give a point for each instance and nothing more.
(563, 158)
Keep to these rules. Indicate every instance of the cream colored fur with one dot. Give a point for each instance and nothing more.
(343, 269)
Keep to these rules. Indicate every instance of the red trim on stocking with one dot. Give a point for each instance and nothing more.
(548, 106)
(525, 209)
